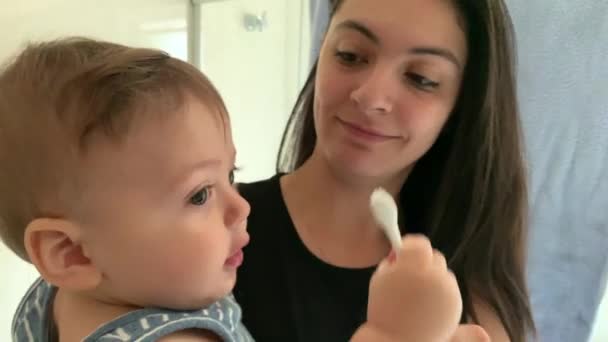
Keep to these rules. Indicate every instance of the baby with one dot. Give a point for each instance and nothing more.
(116, 183)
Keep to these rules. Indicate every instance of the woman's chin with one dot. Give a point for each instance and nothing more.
(357, 168)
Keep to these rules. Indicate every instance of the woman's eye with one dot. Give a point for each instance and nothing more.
(200, 197)
(422, 82)
(346, 57)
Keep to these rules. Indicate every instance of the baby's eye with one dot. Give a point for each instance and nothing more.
(231, 175)
(200, 197)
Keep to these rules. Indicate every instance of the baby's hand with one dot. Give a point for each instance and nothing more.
(413, 296)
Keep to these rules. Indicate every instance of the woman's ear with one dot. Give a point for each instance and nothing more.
(54, 247)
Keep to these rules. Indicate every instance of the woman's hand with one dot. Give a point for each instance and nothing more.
(414, 296)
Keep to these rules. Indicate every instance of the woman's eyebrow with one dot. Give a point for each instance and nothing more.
(419, 50)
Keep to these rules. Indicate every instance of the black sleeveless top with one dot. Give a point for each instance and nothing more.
(287, 293)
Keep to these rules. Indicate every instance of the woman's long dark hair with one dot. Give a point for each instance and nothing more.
(469, 190)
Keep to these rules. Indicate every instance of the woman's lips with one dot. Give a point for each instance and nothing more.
(365, 133)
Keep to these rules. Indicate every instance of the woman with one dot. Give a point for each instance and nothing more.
(416, 96)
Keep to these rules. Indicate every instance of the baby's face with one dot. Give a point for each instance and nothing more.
(162, 219)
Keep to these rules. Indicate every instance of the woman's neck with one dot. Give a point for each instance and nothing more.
(338, 197)
(331, 210)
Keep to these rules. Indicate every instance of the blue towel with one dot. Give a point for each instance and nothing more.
(563, 92)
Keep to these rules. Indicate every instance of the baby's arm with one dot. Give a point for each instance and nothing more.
(413, 297)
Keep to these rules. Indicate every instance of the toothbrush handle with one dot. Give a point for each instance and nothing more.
(394, 236)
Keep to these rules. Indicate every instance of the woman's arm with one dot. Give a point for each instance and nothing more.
(464, 333)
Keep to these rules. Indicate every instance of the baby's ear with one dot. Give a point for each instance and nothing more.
(54, 247)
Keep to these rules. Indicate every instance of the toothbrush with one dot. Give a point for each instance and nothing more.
(384, 210)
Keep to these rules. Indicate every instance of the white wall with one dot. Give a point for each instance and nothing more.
(258, 73)
(129, 22)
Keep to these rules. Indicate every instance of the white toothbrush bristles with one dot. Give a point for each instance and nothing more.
(384, 210)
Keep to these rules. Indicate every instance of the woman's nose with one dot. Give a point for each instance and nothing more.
(375, 93)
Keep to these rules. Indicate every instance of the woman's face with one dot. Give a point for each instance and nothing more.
(388, 76)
